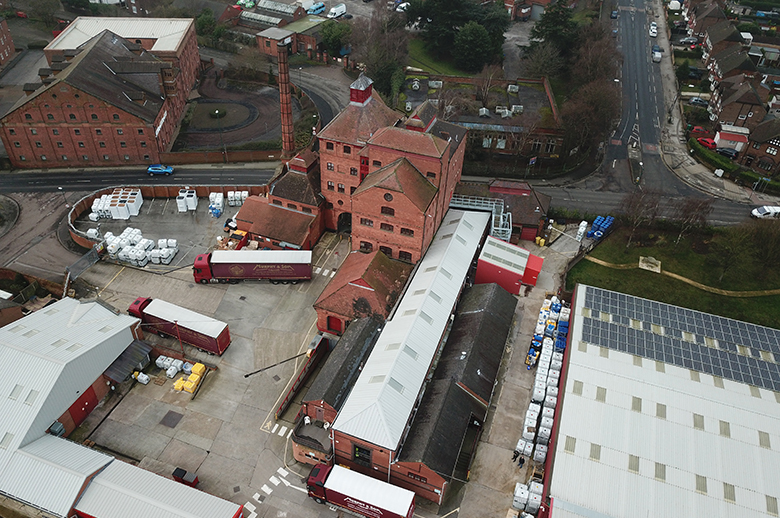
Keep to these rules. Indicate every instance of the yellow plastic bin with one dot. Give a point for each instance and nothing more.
(199, 369)
(194, 378)
(179, 384)
(189, 386)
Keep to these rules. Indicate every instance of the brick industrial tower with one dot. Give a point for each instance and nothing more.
(288, 132)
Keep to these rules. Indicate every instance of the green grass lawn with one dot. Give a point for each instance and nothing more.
(691, 259)
(420, 58)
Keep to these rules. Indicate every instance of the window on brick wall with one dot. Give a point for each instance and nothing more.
(50, 116)
(352, 190)
(120, 132)
(84, 157)
(347, 150)
(33, 131)
(367, 222)
(102, 144)
(407, 232)
(72, 116)
(143, 144)
(17, 144)
(536, 146)
(22, 158)
(123, 144)
(65, 158)
(106, 157)
(341, 187)
(388, 211)
(38, 144)
(418, 478)
(59, 144)
(353, 171)
(292, 206)
(376, 163)
(27, 116)
(430, 175)
(365, 246)
(771, 150)
(306, 210)
(98, 132)
(81, 144)
(386, 250)
(140, 132)
(330, 166)
(330, 186)
(329, 146)
(146, 157)
(277, 202)
(94, 116)
(77, 132)
(328, 205)
(116, 116)
(386, 227)
(405, 256)
(12, 131)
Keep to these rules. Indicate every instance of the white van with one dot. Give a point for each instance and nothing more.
(337, 10)
(766, 212)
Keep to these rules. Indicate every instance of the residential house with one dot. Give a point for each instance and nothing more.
(737, 102)
(729, 62)
(763, 146)
(301, 37)
(703, 16)
(719, 37)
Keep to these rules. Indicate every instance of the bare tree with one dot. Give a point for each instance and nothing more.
(765, 234)
(597, 57)
(381, 44)
(454, 101)
(543, 59)
(485, 80)
(639, 208)
(691, 213)
(730, 247)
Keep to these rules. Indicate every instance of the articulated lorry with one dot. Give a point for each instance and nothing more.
(278, 266)
(358, 493)
(166, 319)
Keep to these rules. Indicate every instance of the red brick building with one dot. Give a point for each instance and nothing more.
(112, 104)
(6, 43)
(390, 182)
(761, 152)
(290, 217)
(365, 285)
(114, 94)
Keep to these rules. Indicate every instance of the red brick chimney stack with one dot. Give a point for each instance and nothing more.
(288, 132)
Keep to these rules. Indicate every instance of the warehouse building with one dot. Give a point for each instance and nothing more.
(666, 410)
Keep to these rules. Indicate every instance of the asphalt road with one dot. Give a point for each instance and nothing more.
(88, 180)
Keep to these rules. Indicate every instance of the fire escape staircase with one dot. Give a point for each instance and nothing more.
(501, 222)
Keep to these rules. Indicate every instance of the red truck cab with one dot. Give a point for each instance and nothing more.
(316, 483)
(136, 309)
(201, 269)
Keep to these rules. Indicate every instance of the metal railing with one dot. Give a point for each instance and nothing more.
(501, 222)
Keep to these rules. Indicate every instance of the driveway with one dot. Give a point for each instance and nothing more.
(519, 33)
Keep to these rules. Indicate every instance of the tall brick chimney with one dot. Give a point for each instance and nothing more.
(288, 132)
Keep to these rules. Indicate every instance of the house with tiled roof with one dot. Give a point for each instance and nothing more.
(388, 180)
(761, 153)
(277, 227)
(703, 16)
(112, 103)
(719, 37)
(729, 62)
(303, 36)
(736, 102)
(365, 285)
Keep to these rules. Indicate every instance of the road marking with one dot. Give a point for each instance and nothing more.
(267, 490)
(250, 506)
(275, 481)
(289, 434)
(257, 497)
(283, 472)
(333, 273)
(325, 272)
(282, 430)
(317, 270)
(275, 428)
(613, 163)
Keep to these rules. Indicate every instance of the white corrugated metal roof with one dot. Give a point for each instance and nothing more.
(381, 402)
(648, 411)
(505, 255)
(67, 345)
(185, 317)
(50, 472)
(125, 491)
(370, 490)
(261, 256)
(169, 32)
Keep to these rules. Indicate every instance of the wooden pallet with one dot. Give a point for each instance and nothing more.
(160, 380)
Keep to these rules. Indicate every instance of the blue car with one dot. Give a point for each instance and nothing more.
(159, 169)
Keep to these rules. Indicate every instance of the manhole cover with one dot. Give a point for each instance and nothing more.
(237, 489)
(276, 378)
(171, 419)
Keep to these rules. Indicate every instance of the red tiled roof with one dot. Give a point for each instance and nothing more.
(409, 141)
(523, 208)
(365, 284)
(259, 217)
(355, 124)
(401, 176)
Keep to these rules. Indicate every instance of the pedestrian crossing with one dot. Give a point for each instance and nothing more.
(279, 477)
(324, 272)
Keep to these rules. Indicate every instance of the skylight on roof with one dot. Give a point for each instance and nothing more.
(105, 329)
(396, 385)
(31, 333)
(6, 442)
(59, 342)
(31, 397)
(75, 347)
(17, 328)
(16, 392)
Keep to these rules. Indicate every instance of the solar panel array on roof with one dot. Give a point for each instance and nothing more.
(711, 344)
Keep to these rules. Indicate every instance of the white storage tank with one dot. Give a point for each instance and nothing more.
(550, 401)
(535, 407)
(160, 362)
(556, 365)
(181, 203)
(539, 395)
(531, 415)
(543, 437)
(536, 488)
(520, 446)
(552, 382)
(529, 430)
(540, 453)
(520, 497)
(558, 357)
(548, 412)
(552, 391)
(529, 448)
(534, 502)
(554, 373)
(547, 422)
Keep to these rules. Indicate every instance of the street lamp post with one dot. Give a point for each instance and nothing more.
(221, 141)
(67, 205)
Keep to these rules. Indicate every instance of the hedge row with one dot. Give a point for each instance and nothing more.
(712, 158)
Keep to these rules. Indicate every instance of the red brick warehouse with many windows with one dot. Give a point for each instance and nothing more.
(105, 100)
(387, 179)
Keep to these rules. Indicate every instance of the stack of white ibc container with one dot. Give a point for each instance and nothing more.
(192, 200)
(122, 203)
(181, 201)
(231, 198)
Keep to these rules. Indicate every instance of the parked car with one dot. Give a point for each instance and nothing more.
(695, 73)
(728, 152)
(402, 7)
(707, 142)
(698, 130)
(653, 31)
(347, 16)
(765, 212)
(698, 101)
(156, 169)
(689, 40)
(337, 10)
(613, 15)
(657, 57)
(657, 48)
